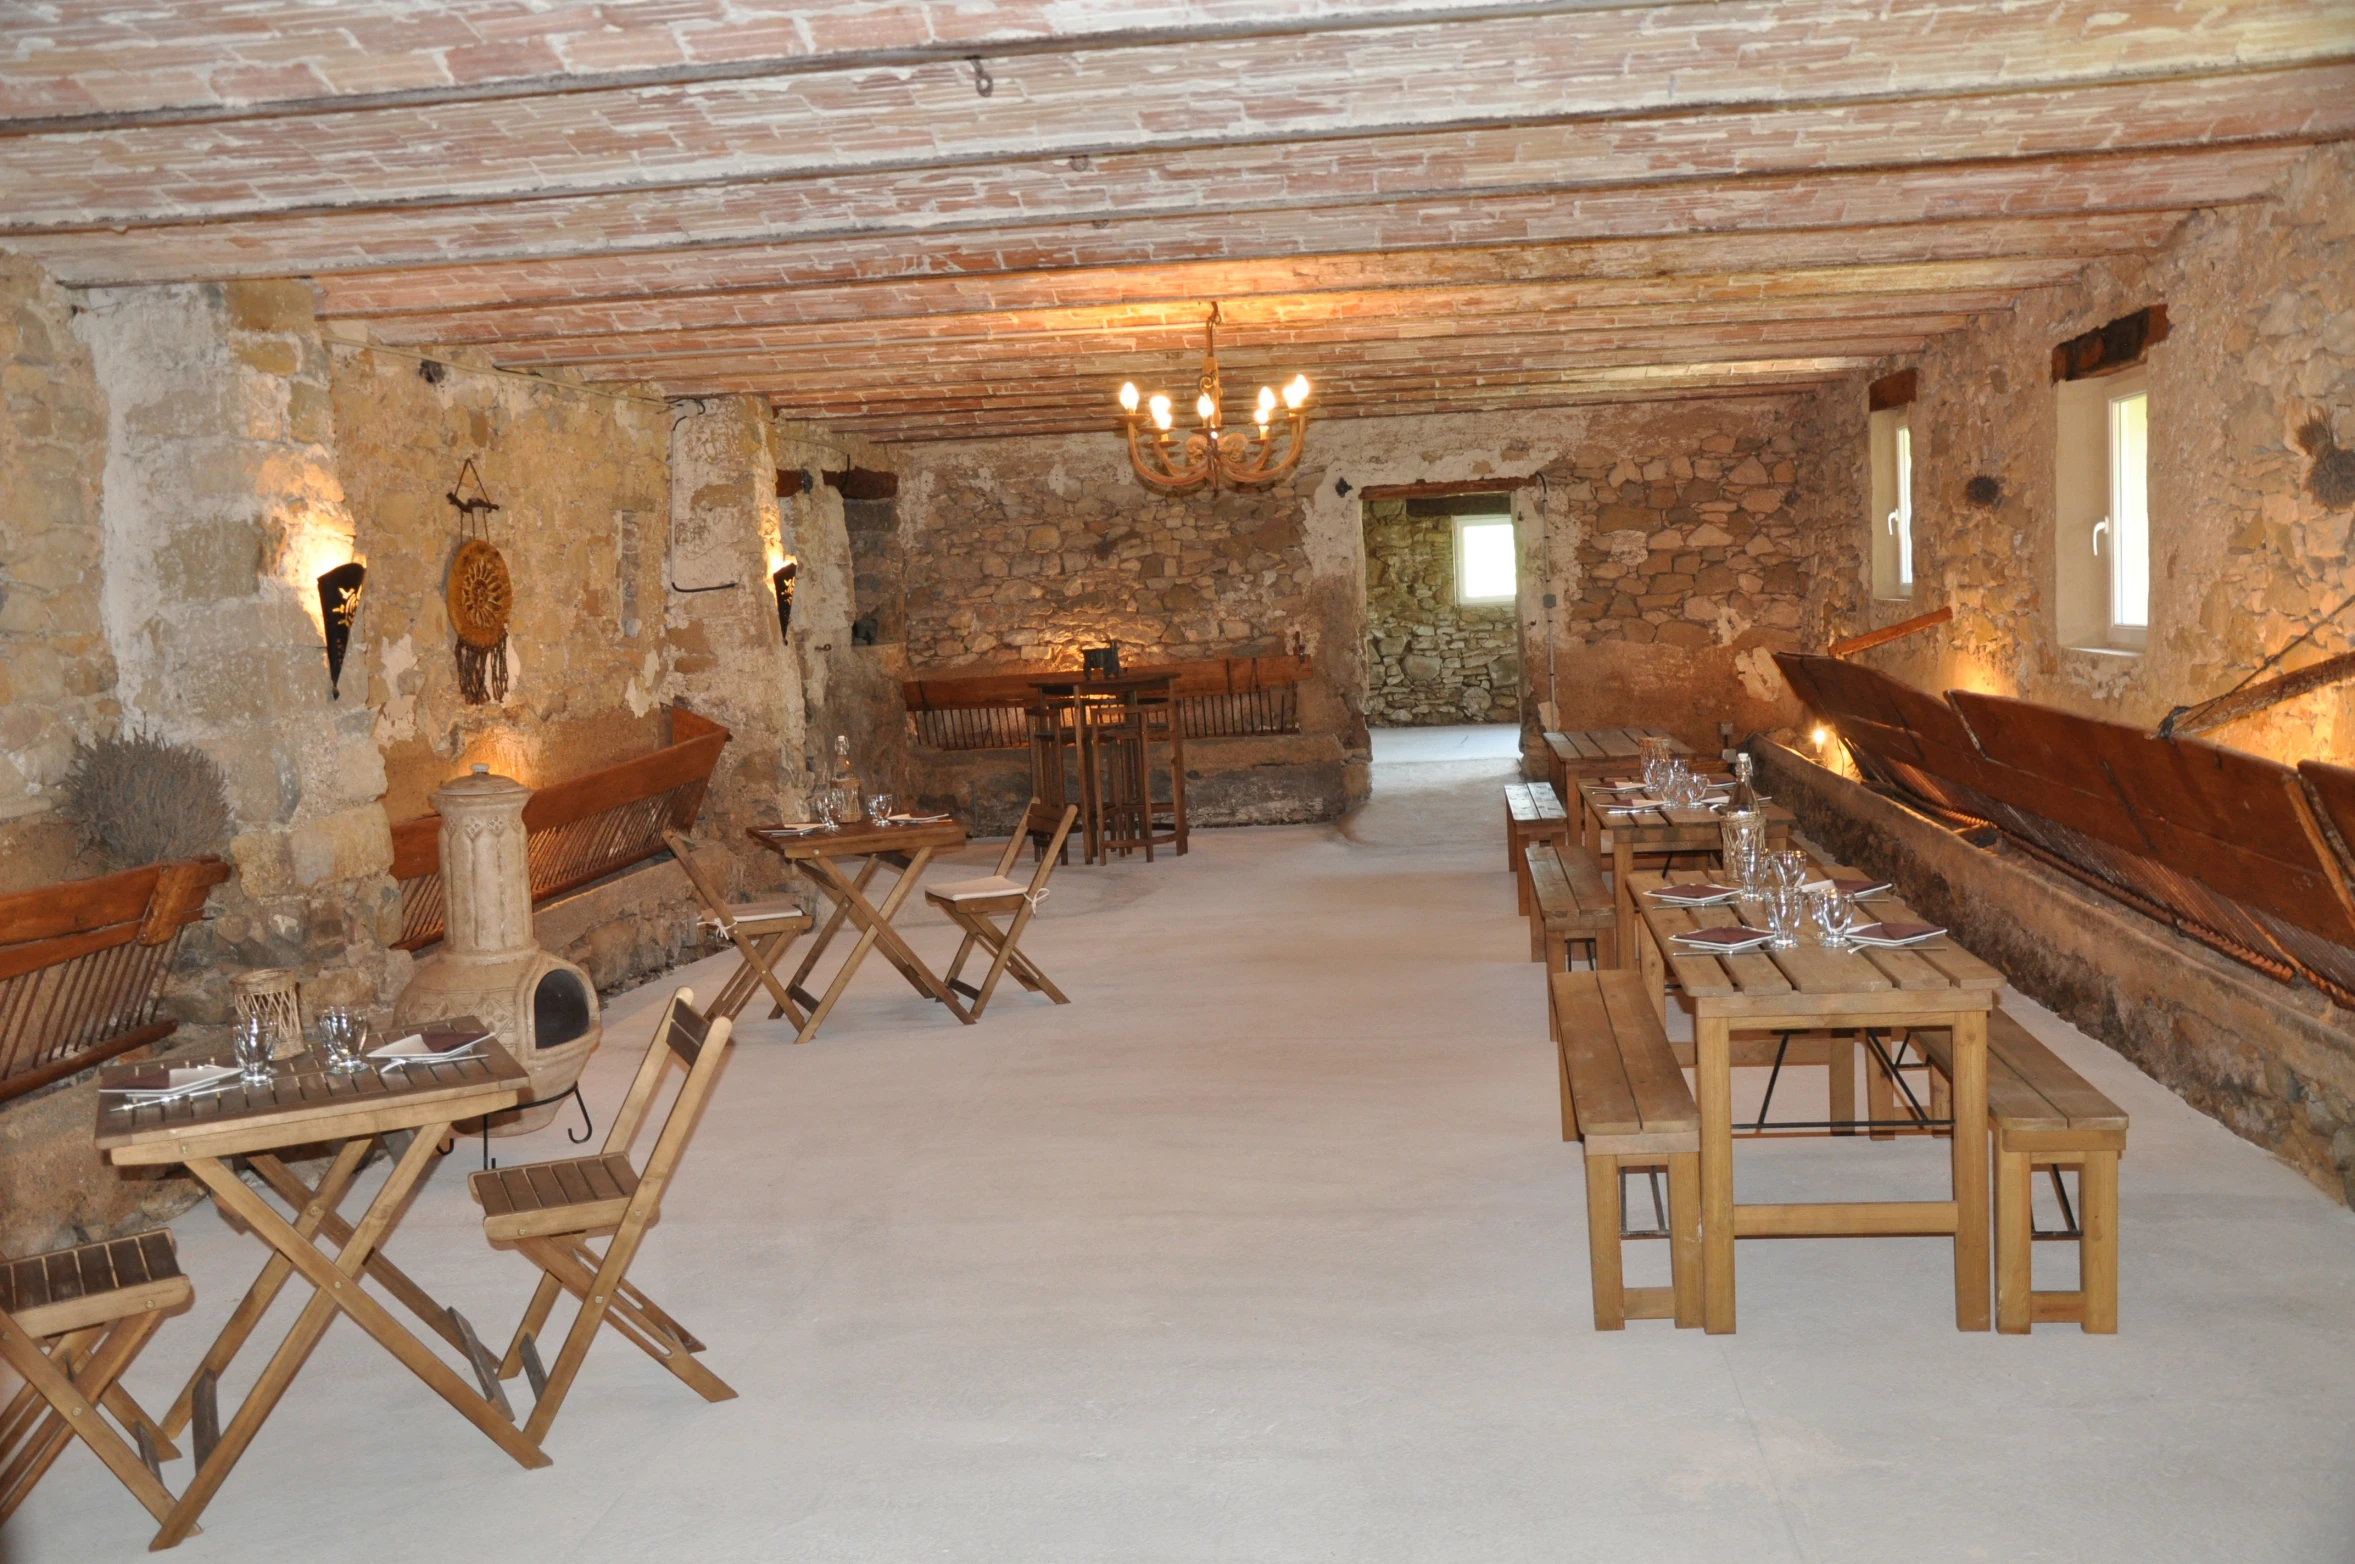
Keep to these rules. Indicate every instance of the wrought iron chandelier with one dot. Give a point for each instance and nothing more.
(1211, 453)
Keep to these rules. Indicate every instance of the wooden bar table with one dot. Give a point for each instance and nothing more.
(1655, 833)
(409, 1108)
(818, 855)
(1590, 754)
(1806, 988)
(1107, 724)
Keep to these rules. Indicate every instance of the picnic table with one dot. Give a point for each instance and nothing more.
(819, 856)
(1810, 987)
(1593, 752)
(1609, 823)
(408, 1109)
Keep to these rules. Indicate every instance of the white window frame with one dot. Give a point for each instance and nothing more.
(2093, 492)
(1496, 519)
(1892, 503)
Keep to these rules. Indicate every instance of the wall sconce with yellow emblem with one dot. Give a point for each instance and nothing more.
(339, 605)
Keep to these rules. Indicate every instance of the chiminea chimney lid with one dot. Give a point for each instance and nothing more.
(480, 783)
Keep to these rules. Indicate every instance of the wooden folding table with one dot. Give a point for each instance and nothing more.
(1808, 988)
(818, 855)
(409, 1109)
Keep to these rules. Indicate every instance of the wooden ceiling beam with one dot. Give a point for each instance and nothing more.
(624, 233)
(914, 280)
(1177, 344)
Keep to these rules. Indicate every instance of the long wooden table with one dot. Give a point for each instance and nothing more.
(1654, 833)
(1590, 753)
(1809, 987)
(409, 1109)
(818, 856)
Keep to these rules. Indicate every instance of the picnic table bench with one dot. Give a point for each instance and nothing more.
(2045, 1115)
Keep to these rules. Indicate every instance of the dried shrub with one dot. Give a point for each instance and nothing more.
(141, 799)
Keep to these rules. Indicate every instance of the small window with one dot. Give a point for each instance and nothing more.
(2102, 506)
(1484, 559)
(1892, 502)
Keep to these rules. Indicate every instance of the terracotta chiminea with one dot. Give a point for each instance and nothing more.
(490, 963)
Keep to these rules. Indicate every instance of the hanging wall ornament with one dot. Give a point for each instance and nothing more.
(480, 596)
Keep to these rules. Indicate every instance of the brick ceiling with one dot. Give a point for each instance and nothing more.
(1443, 205)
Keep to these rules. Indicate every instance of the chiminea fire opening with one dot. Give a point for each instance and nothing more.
(560, 1009)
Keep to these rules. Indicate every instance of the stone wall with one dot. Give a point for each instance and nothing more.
(1431, 660)
(56, 673)
(1025, 550)
(222, 504)
(582, 483)
(2261, 310)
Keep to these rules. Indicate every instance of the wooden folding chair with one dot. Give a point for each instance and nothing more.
(70, 1322)
(973, 904)
(549, 1211)
(761, 931)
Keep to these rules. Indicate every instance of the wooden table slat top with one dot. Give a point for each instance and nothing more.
(853, 841)
(1592, 745)
(1939, 967)
(303, 1101)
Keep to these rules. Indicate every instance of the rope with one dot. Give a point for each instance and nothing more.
(2167, 723)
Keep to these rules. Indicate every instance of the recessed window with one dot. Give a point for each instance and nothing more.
(1484, 559)
(2103, 513)
(1892, 502)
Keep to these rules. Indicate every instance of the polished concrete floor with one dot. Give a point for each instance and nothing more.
(1267, 1248)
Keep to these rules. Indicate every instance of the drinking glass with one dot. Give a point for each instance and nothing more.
(1784, 912)
(1788, 867)
(1652, 754)
(252, 1039)
(1831, 915)
(343, 1035)
(879, 807)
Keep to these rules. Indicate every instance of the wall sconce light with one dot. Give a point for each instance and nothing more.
(339, 604)
(782, 579)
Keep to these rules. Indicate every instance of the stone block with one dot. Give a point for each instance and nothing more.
(341, 846)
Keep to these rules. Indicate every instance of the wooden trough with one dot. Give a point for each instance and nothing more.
(2244, 854)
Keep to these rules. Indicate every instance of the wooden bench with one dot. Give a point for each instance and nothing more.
(2045, 1115)
(1532, 814)
(1569, 902)
(1625, 1099)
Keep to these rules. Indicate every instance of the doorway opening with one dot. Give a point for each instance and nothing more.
(1443, 644)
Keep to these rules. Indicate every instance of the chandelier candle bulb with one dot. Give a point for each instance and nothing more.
(1128, 396)
(1204, 408)
(1296, 393)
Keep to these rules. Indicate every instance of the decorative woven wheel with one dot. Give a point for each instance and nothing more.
(480, 594)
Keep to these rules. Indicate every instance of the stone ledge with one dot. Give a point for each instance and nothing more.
(2271, 1062)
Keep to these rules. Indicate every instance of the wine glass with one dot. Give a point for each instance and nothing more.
(879, 807)
(1788, 866)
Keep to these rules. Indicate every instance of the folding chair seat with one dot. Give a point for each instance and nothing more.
(762, 931)
(973, 905)
(548, 1211)
(71, 1321)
